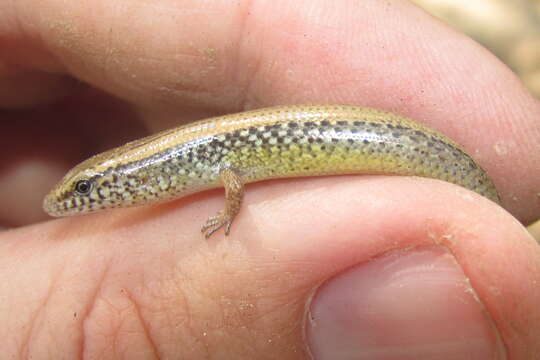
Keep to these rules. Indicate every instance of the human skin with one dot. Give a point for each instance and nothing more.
(143, 283)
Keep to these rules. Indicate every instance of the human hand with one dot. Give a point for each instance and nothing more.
(399, 268)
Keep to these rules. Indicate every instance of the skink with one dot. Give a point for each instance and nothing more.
(278, 142)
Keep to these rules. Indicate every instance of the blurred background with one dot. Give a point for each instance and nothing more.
(509, 28)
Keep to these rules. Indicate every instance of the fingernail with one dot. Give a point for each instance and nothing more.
(414, 304)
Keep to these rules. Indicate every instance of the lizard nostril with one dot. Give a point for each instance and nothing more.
(49, 205)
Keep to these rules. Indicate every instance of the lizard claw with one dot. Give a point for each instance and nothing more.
(214, 223)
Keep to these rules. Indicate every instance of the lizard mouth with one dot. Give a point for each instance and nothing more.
(51, 206)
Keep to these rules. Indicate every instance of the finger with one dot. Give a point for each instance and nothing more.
(112, 282)
(371, 53)
(39, 145)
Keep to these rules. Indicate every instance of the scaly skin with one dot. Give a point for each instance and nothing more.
(279, 142)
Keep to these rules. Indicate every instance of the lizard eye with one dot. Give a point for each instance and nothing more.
(83, 187)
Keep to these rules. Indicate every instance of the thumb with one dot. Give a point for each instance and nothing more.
(414, 304)
(447, 279)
